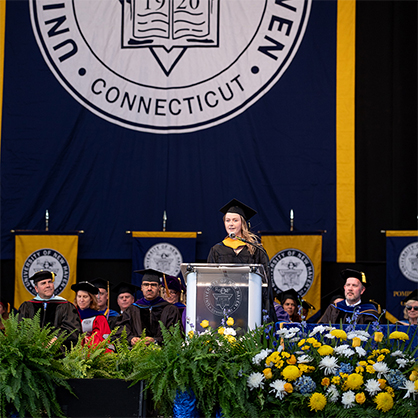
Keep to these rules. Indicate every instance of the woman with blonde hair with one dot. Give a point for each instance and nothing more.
(94, 324)
(241, 246)
(411, 309)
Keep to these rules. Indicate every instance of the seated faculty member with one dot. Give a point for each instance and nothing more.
(145, 313)
(104, 287)
(354, 287)
(93, 324)
(54, 310)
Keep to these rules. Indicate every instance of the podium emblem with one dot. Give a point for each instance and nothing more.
(223, 295)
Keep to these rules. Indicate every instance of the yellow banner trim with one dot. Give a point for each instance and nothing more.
(345, 131)
(391, 318)
(2, 48)
(162, 234)
(402, 233)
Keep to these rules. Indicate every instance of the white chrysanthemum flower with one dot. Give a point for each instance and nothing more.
(287, 333)
(332, 393)
(360, 351)
(278, 387)
(381, 368)
(401, 362)
(305, 359)
(331, 337)
(258, 358)
(329, 364)
(372, 386)
(299, 353)
(320, 329)
(294, 340)
(230, 331)
(409, 387)
(348, 399)
(397, 353)
(362, 335)
(344, 350)
(255, 380)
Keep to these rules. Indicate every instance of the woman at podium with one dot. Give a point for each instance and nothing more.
(240, 245)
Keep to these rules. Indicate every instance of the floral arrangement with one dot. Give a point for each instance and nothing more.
(332, 372)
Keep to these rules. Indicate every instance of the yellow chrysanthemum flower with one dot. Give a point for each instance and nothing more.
(325, 382)
(204, 323)
(301, 342)
(285, 354)
(370, 369)
(336, 380)
(231, 339)
(288, 387)
(273, 358)
(354, 381)
(303, 367)
(381, 358)
(382, 383)
(279, 364)
(311, 340)
(416, 385)
(316, 344)
(221, 330)
(384, 401)
(371, 361)
(325, 350)
(390, 391)
(356, 342)
(385, 351)
(317, 402)
(339, 333)
(360, 398)
(306, 347)
(230, 322)
(291, 373)
(378, 336)
(359, 369)
(362, 363)
(267, 373)
(398, 335)
(190, 333)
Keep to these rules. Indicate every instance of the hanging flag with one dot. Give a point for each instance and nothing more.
(401, 270)
(52, 252)
(162, 251)
(295, 262)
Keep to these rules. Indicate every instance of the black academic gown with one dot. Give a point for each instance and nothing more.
(341, 311)
(140, 316)
(222, 254)
(60, 314)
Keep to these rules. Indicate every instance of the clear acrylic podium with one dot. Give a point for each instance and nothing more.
(215, 289)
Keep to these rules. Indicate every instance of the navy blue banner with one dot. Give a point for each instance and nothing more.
(107, 126)
(401, 269)
(162, 251)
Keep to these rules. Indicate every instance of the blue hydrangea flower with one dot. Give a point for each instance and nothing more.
(396, 379)
(345, 368)
(305, 384)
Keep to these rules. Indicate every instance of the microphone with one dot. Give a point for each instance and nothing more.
(233, 236)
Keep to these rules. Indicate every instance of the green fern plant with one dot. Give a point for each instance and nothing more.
(30, 368)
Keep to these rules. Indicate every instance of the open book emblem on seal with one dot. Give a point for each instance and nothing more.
(169, 27)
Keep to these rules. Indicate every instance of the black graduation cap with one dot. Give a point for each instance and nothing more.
(86, 286)
(42, 275)
(347, 273)
(289, 294)
(150, 275)
(101, 283)
(307, 305)
(412, 296)
(235, 206)
(174, 283)
(124, 287)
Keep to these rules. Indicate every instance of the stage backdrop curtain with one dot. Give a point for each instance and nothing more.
(295, 262)
(401, 270)
(162, 251)
(52, 252)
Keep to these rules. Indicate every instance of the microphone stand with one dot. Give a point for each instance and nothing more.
(270, 299)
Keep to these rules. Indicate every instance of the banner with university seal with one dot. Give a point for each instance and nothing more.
(53, 252)
(401, 270)
(162, 251)
(295, 262)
